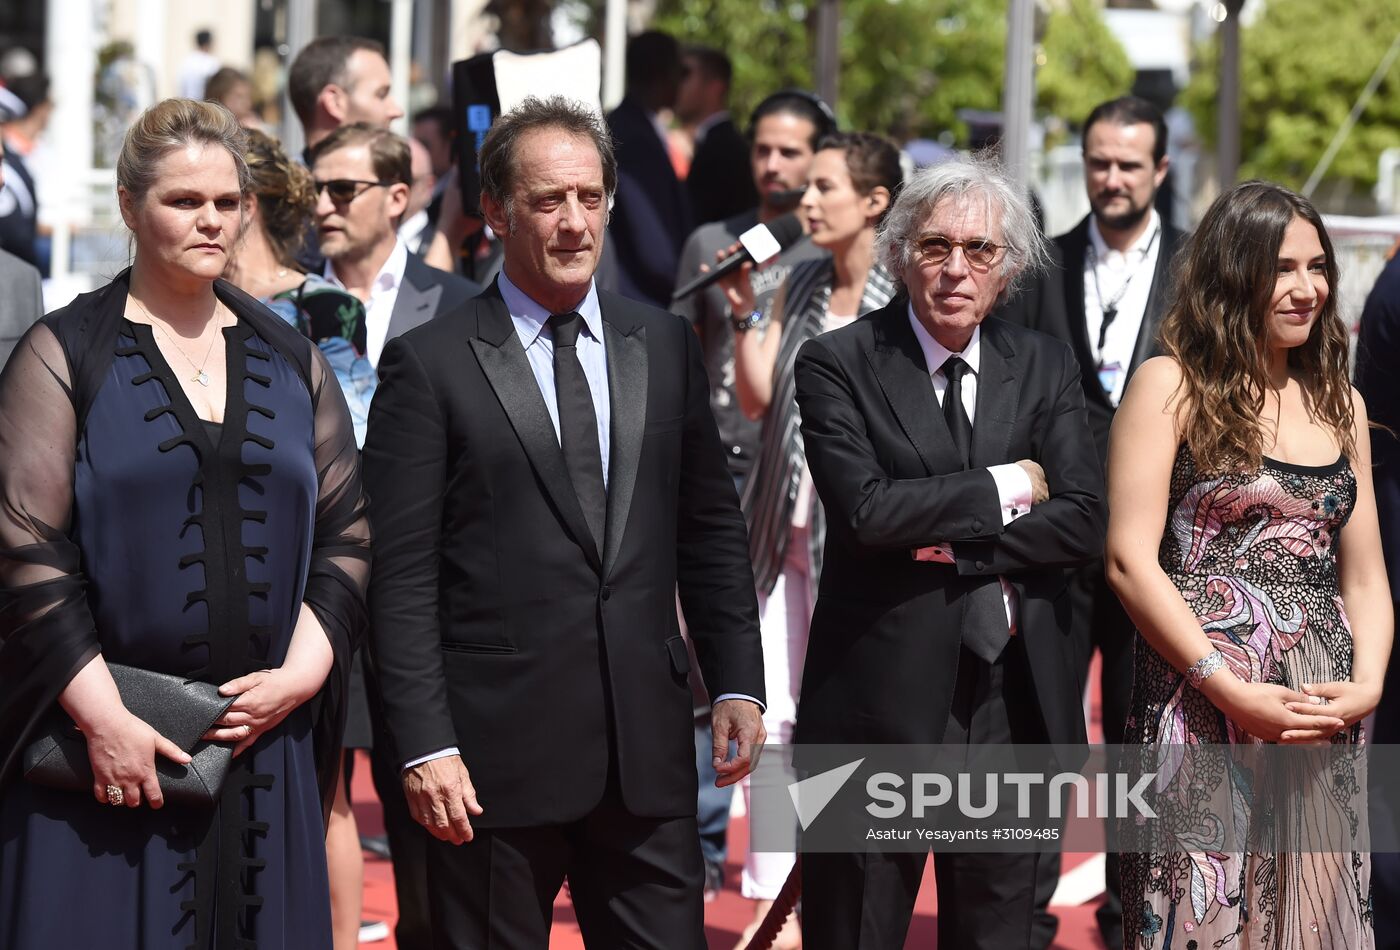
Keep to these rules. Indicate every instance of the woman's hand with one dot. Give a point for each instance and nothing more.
(1348, 701)
(122, 750)
(1273, 713)
(265, 698)
(738, 290)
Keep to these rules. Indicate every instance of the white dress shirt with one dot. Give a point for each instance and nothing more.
(412, 229)
(1113, 270)
(1012, 482)
(383, 294)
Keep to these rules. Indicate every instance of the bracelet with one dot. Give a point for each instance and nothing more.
(1198, 672)
(744, 324)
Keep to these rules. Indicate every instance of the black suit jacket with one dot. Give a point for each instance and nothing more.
(721, 177)
(1054, 304)
(425, 293)
(497, 625)
(883, 653)
(1377, 356)
(651, 216)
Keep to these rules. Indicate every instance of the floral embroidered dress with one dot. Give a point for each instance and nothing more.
(1254, 556)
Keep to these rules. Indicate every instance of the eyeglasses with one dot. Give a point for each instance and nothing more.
(345, 190)
(935, 249)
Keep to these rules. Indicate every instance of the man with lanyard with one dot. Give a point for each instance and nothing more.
(1106, 300)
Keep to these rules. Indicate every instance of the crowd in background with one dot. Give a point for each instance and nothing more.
(362, 238)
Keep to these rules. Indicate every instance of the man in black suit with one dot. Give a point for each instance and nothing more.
(546, 475)
(1377, 355)
(652, 214)
(954, 460)
(720, 181)
(1106, 299)
(363, 175)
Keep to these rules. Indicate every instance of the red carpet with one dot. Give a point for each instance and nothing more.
(726, 918)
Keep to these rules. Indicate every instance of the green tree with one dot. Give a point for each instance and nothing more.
(1084, 64)
(907, 66)
(1303, 64)
(766, 42)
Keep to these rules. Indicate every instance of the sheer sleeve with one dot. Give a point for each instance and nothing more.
(47, 633)
(340, 558)
(339, 572)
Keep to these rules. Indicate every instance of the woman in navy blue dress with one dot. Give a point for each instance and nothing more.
(179, 491)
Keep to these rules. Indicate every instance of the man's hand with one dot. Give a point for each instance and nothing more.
(440, 798)
(1040, 490)
(740, 720)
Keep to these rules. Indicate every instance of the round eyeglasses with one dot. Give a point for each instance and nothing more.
(935, 249)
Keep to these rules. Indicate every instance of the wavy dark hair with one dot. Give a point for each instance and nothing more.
(1217, 324)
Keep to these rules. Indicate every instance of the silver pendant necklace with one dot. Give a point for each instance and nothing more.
(200, 376)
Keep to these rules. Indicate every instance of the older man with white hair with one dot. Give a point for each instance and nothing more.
(953, 456)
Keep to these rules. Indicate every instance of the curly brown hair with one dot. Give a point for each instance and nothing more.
(1216, 328)
(285, 194)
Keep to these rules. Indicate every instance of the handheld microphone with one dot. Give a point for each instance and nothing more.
(758, 245)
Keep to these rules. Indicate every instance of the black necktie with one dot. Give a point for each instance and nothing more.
(578, 424)
(959, 426)
(984, 629)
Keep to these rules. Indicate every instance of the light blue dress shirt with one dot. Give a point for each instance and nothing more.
(532, 325)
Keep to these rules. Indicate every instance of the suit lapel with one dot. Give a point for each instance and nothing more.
(998, 395)
(898, 362)
(417, 299)
(1146, 345)
(503, 360)
(1075, 247)
(626, 342)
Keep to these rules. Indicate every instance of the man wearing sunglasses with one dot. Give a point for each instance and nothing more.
(953, 457)
(362, 177)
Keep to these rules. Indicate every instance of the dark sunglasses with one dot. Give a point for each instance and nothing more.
(935, 249)
(345, 190)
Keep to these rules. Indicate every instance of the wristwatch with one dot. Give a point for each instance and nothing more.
(744, 324)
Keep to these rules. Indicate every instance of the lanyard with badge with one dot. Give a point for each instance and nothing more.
(1108, 372)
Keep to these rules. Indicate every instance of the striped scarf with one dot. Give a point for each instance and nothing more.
(770, 493)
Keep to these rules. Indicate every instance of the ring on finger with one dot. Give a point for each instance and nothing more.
(115, 795)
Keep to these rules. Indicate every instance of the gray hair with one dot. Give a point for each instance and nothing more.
(962, 180)
(560, 114)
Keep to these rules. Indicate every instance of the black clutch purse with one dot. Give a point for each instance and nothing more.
(181, 710)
